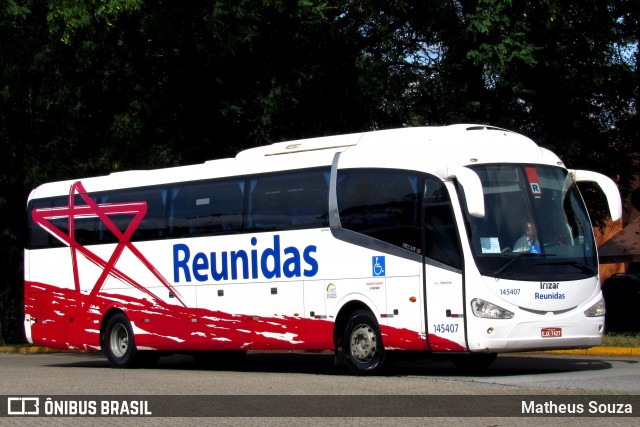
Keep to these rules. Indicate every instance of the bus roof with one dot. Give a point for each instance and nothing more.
(436, 149)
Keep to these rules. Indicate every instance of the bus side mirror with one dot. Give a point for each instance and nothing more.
(470, 181)
(608, 187)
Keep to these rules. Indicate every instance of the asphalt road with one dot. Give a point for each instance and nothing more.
(285, 377)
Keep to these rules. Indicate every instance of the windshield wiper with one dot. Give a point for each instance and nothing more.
(497, 273)
(583, 268)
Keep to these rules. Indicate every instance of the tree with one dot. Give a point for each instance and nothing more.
(557, 71)
(564, 74)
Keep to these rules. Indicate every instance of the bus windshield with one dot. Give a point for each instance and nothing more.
(536, 226)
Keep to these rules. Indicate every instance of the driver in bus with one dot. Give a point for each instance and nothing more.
(528, 242)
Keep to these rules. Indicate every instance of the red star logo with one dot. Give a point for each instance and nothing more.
(104, 211)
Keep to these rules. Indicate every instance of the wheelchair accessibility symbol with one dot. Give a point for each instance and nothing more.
(378, 266)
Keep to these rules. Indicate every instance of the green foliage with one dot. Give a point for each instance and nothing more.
(501, 35)
(621, 340)
(68, 18)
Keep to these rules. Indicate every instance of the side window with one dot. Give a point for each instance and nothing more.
(206, 208)
(383, 204)
(441, 236)
(287, 201)
(39, 238)
(152, 225)
(86, 229)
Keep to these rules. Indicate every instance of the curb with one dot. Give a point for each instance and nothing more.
(33, 350)
(594, 351)
(600, 351)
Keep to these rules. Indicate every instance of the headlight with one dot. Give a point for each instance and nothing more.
(598, 309)
(482, 308)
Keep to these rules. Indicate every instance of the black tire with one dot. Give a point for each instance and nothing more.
(474, 361)
(362, 344)
(118, 342)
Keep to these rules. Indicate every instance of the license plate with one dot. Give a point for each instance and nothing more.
(551, 332)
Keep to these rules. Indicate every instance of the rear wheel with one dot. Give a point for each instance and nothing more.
(118, 343)
(362, 344)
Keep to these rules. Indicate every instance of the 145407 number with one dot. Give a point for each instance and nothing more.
(445, 328)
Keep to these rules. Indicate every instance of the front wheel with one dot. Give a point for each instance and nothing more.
(118, 342)
(362, 344)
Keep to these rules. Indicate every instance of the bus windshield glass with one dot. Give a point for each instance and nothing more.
(536, 226)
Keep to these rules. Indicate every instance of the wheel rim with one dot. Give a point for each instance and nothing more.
(119, 340)
(363, 343)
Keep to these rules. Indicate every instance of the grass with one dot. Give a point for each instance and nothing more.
(621, 340)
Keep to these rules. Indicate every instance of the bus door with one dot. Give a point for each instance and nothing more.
(444, 312)
(443, 278)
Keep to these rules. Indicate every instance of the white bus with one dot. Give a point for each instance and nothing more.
(461, 241)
